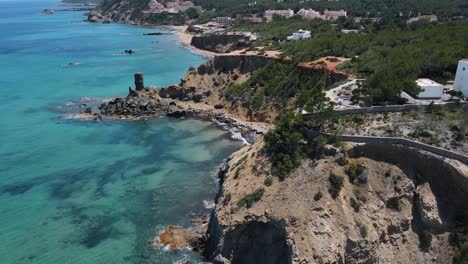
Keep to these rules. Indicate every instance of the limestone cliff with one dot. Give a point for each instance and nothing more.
(402, 209)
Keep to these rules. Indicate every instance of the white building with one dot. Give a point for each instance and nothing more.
(430, 89)
(461, 79)
(284, 13)
(300, 35)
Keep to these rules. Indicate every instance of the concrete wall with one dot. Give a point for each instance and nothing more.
(393, 108)
(394, 141)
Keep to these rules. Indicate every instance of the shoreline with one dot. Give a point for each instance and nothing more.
(186, 38)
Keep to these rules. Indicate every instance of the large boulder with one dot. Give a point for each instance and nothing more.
(173, 92)
(427, 206)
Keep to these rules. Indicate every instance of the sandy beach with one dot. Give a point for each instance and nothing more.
(185, 39)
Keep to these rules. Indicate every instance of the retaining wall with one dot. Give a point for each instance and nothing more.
(394, 108)
(392, 140)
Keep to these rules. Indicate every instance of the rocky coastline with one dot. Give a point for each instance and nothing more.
(174, 101)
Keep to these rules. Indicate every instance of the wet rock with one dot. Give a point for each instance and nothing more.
(176, 112)
(175, 237)
(88, 110)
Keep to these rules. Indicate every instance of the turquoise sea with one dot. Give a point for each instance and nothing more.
(74, 191)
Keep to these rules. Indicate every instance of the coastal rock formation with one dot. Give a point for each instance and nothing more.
(139, 83)
(378, 221)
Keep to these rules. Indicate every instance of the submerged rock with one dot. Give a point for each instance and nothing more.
(175, 237)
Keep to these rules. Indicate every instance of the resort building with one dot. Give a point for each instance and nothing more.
(334, 15)
(309, 14)
(300, 35)
(156, 7)
(430, 89)
(224, 20)
(284, 13)
(461, 79)
(173, 7)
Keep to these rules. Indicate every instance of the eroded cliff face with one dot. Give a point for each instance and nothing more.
(220, 43)
(391, 215)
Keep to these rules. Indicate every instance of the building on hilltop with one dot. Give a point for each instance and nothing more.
(284, 13)
(430, 89)
(461, 78)
(310, 14)
(224, 20)
(334, 15)
(300, 35)
(156, 7)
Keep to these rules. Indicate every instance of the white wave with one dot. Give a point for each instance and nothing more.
(76, 116)
(238, 136)
(208, 204)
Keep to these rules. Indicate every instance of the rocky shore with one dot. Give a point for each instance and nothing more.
(177, 102)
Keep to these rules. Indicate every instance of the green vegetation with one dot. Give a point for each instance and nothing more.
(393, 58)
(336, 184)
(354, 170)
(355, 204)
(425, 239)
(318, 195)
(394, 203)
(252, 198)
(362, 230)
(284, 144)
(278, 83)
(459, 239)
(268, 181)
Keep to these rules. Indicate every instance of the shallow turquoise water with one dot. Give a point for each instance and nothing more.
(83, 192)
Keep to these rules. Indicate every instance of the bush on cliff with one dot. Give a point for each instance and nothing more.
(252, 198)
(279, 82)
(336, 184)
(284, 144)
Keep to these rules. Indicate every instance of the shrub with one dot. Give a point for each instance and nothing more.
(363, 230)
(336, 184)
(252, 198)
(318, 195)
(360, 196)
(284, 144)
(425, 239)
(237, 173)
(268, 181)
(354, 170)
(394, 203)
(355, 204)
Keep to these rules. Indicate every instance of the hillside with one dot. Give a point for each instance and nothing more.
(84, 2)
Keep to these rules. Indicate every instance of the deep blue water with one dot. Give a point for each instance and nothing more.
(75, 191)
